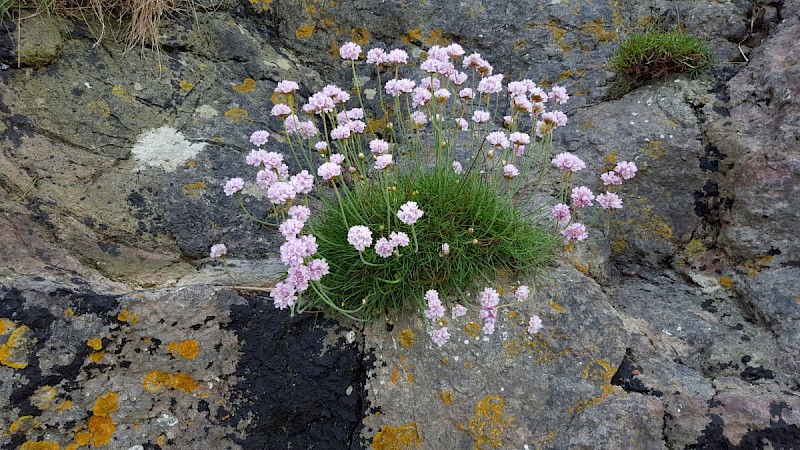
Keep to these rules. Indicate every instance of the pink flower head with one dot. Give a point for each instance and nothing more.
(397, 56)
(377, 56)
(457, 168)
(357, 126)
(384, 248)
(359, 237)
(609, 200)
(284, 295)
(466, 93)
(491, 84)
(440, 336)
(520, 138)
(259, 138)
(537, 95)
(409, 213)
(336, 93)
(489, 298)
(296, 249)
(582, 196)
(445, 249)
(534, 325)
(462, 124)
(329, 170)
(522, 103)
(233, 186)
(458, 78)
(265, 178)
(438, 53)
(429, 84)
(383, 161)
(480, 116)
(522, 293)
(459, 310)
(291, 228)
(303, 182)
(286, 87)
(419, 118)
(442, 94)
(399, 239)
(401, 86)
(307, 129)
(561, 213)
(556, 118)
(321, 147)
(611, 178)
(281, 192)
(435, 309)
(318, 268)
(454, 50)
(421, 97)
(507, 121)
(337, 158)
(498, 139)
(319, 103)
(517, 88)
(378, 146)
(280, 110)
(567, 162)
(474, 60)
(626, 170)
(559, 95)
(218, 250)
(575, 232)
(299, 212)
(510, 171)
(350, 51)
(299, 277)
(519, 150)
(255, 157)
(488, 327)
(340, 132)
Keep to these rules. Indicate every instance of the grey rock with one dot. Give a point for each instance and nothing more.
(40, 40)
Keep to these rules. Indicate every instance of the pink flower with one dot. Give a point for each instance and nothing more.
(340, 132)
(435, 309)
(459, 310)
(491, 85)
(336, 93)
(318, 103)
(397, 56)
(286, 87)
(442, 94)
(626, 170)
(291, 227)
(458, 78)
(609, 200)
(522, 104)
(357, 126)
(489, 298)
(303, 182)
(409, 213)
(421, 97)
(429, 84)
(575, 232)
(480, 116)
(280, 110)
(329, 170)
(419, 118)
(337, 158)
(259, 138)
(271, 160)
(291, 123)
(474, 60)
(582, 196)
(534, 325)
(445, 249)
(295, 250)
(265, 178)
(611, 178)
(559, 95)
(510, 171)
(519, 150)
(384, 248)
(517, 88)
(307, 129)
(299, 212)
(537, 95)
(556, 118)
(377, 56)
(519, 138)
(359, 237)
(567, 162)
(383, 162)
(299, 277)
(321, 147)
(397, 87)
(378, 146)
(457, 168)
(488, 327)
(218, 250)
(440, 336)
(281, 192)
(255, 157)
(462, 124)
(398, 239)
(561, 213)
(350, 51)
(318, 268)
(233, 186)
(521, 293)
(466, 93)
(283, 295)
(498, 139)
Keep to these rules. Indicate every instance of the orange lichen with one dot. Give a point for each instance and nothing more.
(157, 381)
(23, 424)
(360, 36)
(304, 32)
(16, 348)
(247, 85)
(43, 397)
(410, 377)
(407, 338)
(556, 307)
(726, 282)
(82, 437)
(472, 329)
(237, 114)
(101, 428)
(41, 445)
(194, 189)
(188, 349)
(512, 349)
(105, 405)
(490, 423)
(395, 372)
(72, 446)
(412, 35)
(96, 344)
(446, 397)
(128, 317)
(597, 370)
(161, 440)
(5, 325)
(63, 406)
(401, 437)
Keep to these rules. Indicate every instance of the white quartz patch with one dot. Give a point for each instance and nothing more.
(163, 147)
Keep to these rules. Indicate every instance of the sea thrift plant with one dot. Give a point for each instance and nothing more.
(421, 196)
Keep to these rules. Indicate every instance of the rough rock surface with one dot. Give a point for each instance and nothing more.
(117, 331)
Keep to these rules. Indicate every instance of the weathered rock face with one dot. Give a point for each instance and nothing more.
(116, 330)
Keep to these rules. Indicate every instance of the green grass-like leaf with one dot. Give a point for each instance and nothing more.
(501, 239)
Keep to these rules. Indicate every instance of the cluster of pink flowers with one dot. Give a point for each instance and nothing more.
(360, 237)
(297, 254)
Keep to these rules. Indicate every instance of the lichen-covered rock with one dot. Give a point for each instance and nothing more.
(40, 40)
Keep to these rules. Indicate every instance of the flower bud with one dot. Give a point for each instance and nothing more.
(475, 241)
(490, 154)
(470, 230)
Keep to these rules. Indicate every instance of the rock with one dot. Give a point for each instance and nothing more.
(40, 40)
(774, 298)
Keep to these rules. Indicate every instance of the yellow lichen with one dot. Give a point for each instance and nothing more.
(559, 35)
(693, 249)
(95, 343)
(401, 437)
(490, 423)
(360, 36)
(407, 338)
(194, 189)
(237, 114)
(263, 4)
(412, 35)
(122, 93)
(43, 397)
(304, 32)
(597, 29)
(186, 86)
(191, 164)
(128, 317)
(69, 312)
(555, 306)
(40, 445)
(16, 348)
(105, 405)
(446, 397)
(512, 348)
(63, 406)
(394, 374)
(23, 424)
(5, 325)
(581, 266)
(247, 85)
(101, 428)
(654, 149)
(188, 349)
(161, 440)
(601, 371)
(726, 282)
(520, 44)
(100, 107)
(472, 329)
(157, 381)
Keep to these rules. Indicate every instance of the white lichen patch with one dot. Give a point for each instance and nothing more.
(163, 147)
